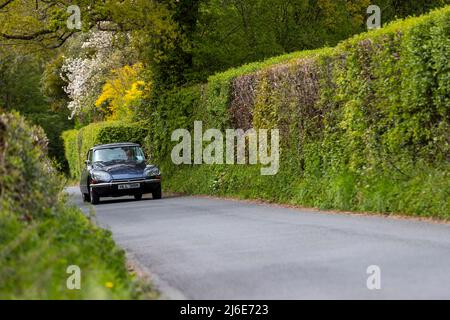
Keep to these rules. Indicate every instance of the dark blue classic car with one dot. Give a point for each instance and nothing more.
(118, 169)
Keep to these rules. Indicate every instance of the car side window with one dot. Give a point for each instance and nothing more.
(89, 156)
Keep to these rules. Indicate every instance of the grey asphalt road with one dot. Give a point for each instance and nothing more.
(201, 248)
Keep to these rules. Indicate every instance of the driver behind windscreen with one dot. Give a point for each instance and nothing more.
(130, 154)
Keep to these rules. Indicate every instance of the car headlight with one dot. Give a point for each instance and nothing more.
(101, 176)
(152, 171)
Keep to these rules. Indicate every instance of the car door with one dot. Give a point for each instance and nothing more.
(85, 173)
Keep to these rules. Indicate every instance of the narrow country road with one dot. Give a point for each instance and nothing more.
(200, 248)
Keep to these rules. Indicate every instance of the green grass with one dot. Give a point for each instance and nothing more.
(34, 258)
(427, 195)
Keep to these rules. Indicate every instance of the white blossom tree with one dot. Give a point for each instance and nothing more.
(85, 74)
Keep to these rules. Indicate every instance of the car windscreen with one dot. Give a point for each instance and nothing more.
(118, 154)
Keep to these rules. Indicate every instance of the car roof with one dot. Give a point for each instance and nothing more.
(114, 145)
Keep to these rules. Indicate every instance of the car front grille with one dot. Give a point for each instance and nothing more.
(128, 180)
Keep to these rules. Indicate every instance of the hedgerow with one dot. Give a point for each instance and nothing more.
(41, 235)
(364, 125)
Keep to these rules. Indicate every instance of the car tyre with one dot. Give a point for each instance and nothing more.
(138, 196)
(95, 198)
(157, 194)
(86, 197)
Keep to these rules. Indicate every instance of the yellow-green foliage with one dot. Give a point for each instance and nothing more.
(122, 93)
(265, 113)
(364, 125)
(78, 142)
(41, 235)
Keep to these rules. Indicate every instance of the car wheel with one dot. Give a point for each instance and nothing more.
(95, 198)
(86, 197)
(138, 196)
(157, 194)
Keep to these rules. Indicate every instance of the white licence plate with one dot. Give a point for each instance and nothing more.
(129, 186)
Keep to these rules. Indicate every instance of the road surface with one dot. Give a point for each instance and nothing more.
(201, 248)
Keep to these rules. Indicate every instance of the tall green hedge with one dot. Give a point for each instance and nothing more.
(78, 142)
(364, 125)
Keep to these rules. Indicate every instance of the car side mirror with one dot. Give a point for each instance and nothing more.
(87, 162)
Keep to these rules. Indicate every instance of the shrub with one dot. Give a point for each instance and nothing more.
(24, 168)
